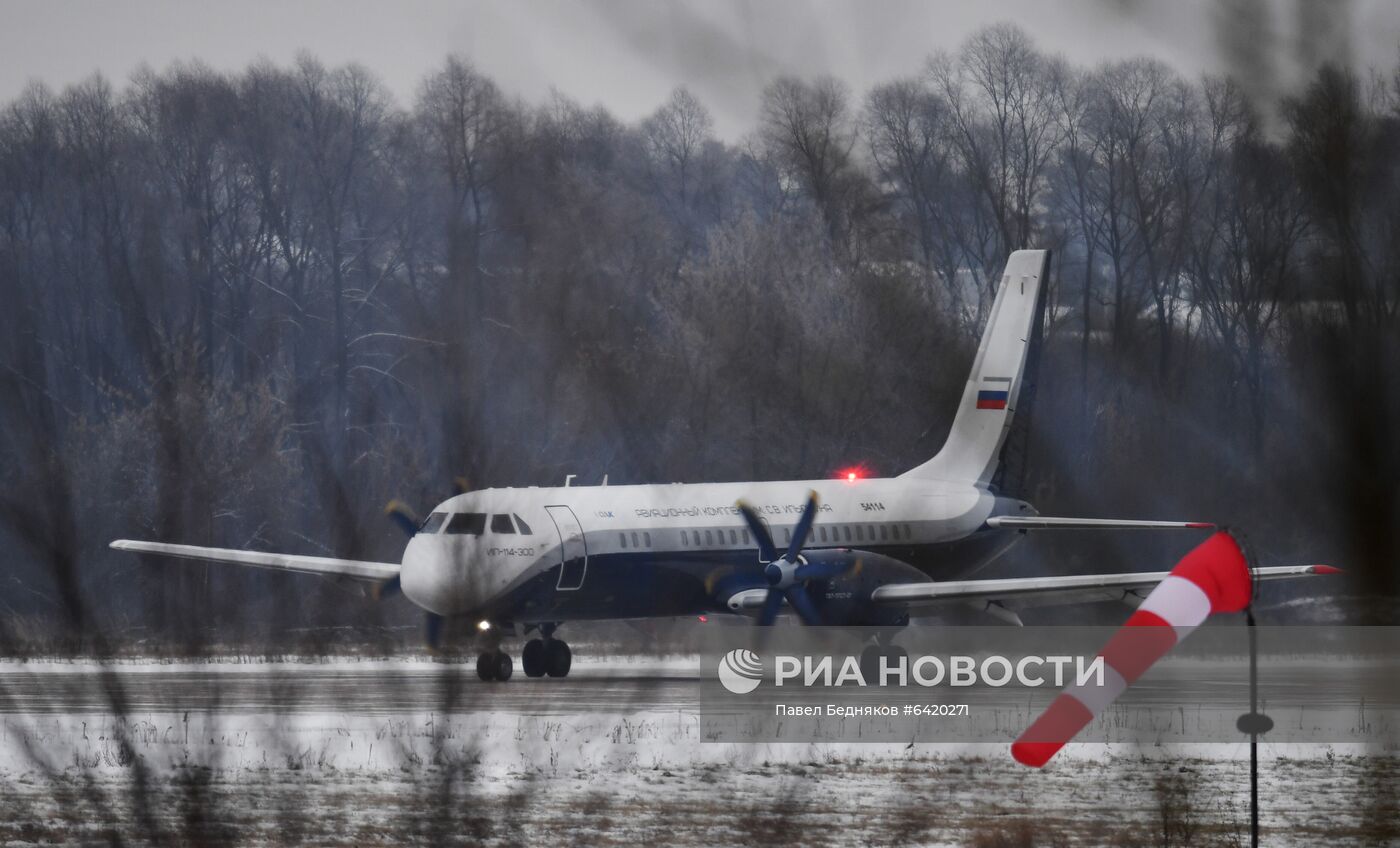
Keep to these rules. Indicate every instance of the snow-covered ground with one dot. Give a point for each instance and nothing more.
(647, 776)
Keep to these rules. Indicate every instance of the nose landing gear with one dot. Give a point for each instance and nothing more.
(494, 665)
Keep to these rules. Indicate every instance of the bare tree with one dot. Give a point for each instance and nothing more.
(809, 129)
(906, 126)
(1244, 244)
(1003, 114)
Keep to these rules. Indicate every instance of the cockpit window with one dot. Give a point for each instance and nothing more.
(524, 528)
(471, 523)
(434, 523)
(501, 524)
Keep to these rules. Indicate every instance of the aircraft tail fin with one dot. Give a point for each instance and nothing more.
(975, 442)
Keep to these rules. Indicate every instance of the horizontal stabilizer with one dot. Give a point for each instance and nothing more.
(357, 569)
(1040, 522)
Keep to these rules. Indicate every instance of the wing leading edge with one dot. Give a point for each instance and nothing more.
(1041, 522)
(356, 569)
(1024, 593)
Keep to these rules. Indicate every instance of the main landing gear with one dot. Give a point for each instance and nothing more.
(883, 647)
(546, 657)
(540, 657)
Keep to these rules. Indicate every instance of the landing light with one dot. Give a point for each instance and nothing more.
(483, 626)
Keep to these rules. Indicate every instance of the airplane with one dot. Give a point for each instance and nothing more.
(847, 551)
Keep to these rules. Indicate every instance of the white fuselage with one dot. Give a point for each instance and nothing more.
(574, 528)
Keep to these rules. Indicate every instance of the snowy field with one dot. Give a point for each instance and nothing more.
(486, 771)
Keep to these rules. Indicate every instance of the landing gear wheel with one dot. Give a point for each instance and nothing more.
(870, 664)
(494, 666)
(897, 657)
(558, 659)
(532, 658)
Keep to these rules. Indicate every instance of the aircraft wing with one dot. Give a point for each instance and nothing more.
(356, 569)
(1003, 597)
(1041, 522)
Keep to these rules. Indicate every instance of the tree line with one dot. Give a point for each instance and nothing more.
(248, 308)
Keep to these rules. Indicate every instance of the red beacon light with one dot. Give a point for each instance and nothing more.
(850, 475)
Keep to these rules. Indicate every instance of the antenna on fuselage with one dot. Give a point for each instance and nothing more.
(605, 479)
(569, 479)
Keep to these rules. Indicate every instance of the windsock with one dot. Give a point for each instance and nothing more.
(1212, 578)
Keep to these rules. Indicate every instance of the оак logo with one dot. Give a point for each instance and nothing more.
(740, 671)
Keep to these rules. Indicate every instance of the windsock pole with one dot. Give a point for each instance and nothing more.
(1253, 731)
(1253, 722)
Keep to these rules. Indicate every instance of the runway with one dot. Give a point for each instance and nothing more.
(613, 685)
(366, 688)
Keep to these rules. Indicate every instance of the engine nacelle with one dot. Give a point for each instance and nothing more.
(843, 600)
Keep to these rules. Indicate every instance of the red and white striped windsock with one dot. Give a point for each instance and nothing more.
(1212, 578)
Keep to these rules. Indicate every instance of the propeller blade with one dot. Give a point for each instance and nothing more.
(767, 551)
(400, 513)
(803, 528)
(387, 589)
(771, 605)
(432, 631)
(802, 603)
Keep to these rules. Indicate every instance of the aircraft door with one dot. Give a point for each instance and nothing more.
(573, 551)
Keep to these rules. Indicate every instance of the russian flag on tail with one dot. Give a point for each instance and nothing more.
(993, 392)
(1212, 578)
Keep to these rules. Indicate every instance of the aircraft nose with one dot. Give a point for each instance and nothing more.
(425, 574)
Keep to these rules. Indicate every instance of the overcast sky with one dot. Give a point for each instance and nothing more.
(629, 55)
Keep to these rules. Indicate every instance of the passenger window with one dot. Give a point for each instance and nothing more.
(872, 532)
(524, 528)
(821, 531)
(907, 534)
(501, 524)
(860, 533)
(733, 538)
(787, 535)
(468, 523)
(709, 540)
(646, 537)
(685, 538)
(434, 523)
(894, 532)
(634, 540)
(746, 537)
(622, 538)
(884, 532)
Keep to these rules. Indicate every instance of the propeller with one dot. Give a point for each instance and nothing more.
(403, 516)
(407, 520)
(788, 574)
